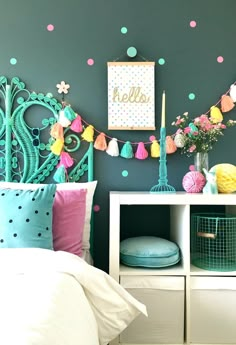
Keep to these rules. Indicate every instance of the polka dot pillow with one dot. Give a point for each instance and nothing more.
(26, 217)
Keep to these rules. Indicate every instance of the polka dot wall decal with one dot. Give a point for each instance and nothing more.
(13, 61)
(193, 24)
(125, 173)
(50, 27)
(90, 62)
(96, 208)
(124, 30)
(131, 51)
(161, 61)
(191, 96)
(220, 59)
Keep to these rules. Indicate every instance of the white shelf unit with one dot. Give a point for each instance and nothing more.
(180, 204)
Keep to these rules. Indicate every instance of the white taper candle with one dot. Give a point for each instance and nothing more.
(163, 110)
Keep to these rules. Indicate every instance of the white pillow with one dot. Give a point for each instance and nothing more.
(90, 186)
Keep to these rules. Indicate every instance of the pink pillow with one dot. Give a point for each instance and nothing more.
(68, 220)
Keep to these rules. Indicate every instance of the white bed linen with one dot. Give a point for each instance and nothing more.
(57, 298)
(86, 255)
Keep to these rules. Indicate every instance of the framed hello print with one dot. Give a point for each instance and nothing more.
(131, 95)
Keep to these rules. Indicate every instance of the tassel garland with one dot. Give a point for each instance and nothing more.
(127, 150)
(232, 92)
(227, 103)
(76, 125)
(60, 175)
(57, 147)
(170, 145)
(155, 149)
(66, 160)
(100, 142)
(141, 152)
(69, 113)
(57, 131)
(68, 117)
(63, 120)
(88, 133)
(113, 148)
(215, 114)
(179, 140)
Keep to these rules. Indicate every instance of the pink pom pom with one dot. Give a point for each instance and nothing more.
(193, 182)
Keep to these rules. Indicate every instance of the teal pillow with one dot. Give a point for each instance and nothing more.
(26, 217)
(149, 251)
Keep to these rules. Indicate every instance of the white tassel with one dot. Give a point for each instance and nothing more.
(232, 92)
(63, 119)
(179, 140)
(113, 148)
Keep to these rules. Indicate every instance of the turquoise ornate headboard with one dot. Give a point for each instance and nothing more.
(25, 121)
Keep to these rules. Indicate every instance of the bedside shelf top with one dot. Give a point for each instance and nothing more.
(178, 198)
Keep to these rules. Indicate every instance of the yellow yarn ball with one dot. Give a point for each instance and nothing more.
(225, 177)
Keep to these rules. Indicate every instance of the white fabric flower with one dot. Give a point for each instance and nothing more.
(63, 87)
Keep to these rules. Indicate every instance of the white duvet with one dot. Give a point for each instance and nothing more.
(56, 298)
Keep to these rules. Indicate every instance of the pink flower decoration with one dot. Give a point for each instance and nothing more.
(192, 148)
(187, 130)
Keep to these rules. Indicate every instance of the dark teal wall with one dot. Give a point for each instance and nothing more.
(158, 29)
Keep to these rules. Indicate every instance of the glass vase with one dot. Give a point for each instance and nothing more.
(201, 161)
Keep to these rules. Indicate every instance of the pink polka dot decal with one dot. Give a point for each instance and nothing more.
(220, 59)
(90, 62)
(152, 137)
(193, 24)
(96, 208)
(50, 27)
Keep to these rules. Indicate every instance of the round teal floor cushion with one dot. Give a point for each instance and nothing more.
(149, 251)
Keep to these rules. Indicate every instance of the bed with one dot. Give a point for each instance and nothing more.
(50, 291)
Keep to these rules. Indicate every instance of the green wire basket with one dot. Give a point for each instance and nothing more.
(213, 241)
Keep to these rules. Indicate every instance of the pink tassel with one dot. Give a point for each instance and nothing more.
(76, 125)
(141, 152)
(227, 103)
(65, 160)
(170, 145)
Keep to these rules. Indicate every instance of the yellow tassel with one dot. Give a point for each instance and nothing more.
(88, 133)
(57, 147)
(215, 114)
(155, 149)
(100, 142)
(227, 103)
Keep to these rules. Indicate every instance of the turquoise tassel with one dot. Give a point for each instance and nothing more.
(60, 174)
(69, 113)
(127, 150)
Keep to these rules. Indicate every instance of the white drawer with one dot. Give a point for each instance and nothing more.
(164, 298)
(213, 310)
